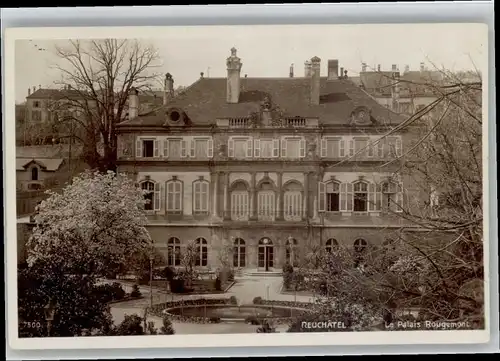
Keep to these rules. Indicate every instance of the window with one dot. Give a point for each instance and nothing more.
(380, 148)
(392, 197)
(265, 201)
(147, 148)
(200, 197)
(331, 244)
(34, 173)
(36, 104)
(361, 145)
(240, 148)
(174, 252)
(395, 146)
(292, 254)
(36, 115)
(174, 197)
(266, 148)
(360, 197)
(293, 148)
(240, 208)
(351, 148)
(151, 195)
(329, 197)
(172, 148)
(360, 246)
(405, 108)
(239, 253)
(202, 252)
(292, 202)
(201, 148)
(332, 148)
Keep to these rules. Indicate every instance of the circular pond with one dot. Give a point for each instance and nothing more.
(233, 312)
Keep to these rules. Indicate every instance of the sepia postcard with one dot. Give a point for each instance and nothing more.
(232, 181)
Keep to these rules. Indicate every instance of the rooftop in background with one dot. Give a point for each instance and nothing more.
(205, 101)
(48, 151)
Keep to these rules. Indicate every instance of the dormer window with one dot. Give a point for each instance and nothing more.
(34, 173)
(175, 116)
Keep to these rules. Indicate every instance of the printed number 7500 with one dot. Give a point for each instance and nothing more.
(32, 324)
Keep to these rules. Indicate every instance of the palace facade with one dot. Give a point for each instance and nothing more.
(274, 167)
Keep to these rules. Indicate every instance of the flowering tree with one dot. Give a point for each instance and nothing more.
(190, 256)
(97, 218)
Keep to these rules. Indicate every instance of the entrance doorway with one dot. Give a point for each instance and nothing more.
(266, 254)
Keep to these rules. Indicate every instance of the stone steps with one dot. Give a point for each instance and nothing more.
(255, 273)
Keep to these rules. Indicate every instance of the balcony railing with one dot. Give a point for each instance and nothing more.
(296, 122)
(239, 122)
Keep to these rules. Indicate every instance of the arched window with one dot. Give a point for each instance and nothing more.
(331, 244)
(174, 252)
(34, 173)
(332, 196)
(392, 197)
(174, 196)
(360, 245)
(151, 195)
(292, 202)
(292, 254)
(360, 197)
(202, 248)
(239, 253)
(200, 197)
(266, 202)
(240, 205)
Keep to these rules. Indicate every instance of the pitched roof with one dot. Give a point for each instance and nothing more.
(55, 94)
(49, 164)
(48, 151)
(205, 100)
(381, 81)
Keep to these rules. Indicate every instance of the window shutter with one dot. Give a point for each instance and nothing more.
(380, 148)
(283, 148)
(371, 198)
(165, 148)
(230, 148)
(343, 197)
(156, 148)
(399, 147)
(323, 148)
(192, 148)
(370, 149)
(351, 148)
(138, 148)
(183, 148)
(321, 196)
(276, 148)
(349, 195)
(342, 148)
(378, 197)
(157, 197)
(399, 198)
(302, 152)
(256, 149)
(249, 148)
(210, 150)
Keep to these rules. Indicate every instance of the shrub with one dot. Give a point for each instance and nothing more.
(167, 328)
(177, 286)
(135, 291)
(287, 268)
(131, 325)
(151, 328)
(214, 320)
(266, 328)
(257, 300)
(218, 286)
(168, 273)
(117, 291)
(233, 300)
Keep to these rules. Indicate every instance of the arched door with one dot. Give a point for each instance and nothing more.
(266, 254)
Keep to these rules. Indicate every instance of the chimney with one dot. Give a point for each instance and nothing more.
(133, 103)
(307, 69)
(29, 91)
(341, 75)
(394, 67)
(34, 89)
(333, 69)
(168, 91)
(345, 74)
(422, 66)
(233, 77)
(39, 86)
(315, 80)
(407, 68)
(363, 67)
(201, 75)
(291, 71)
(378, 67)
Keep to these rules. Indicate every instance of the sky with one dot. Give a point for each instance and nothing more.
(268, 51)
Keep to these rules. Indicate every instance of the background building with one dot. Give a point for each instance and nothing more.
(275, 167)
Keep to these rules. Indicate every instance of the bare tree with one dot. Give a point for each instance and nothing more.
(97, 76)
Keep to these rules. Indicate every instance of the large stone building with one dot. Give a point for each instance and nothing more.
(275, 167)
